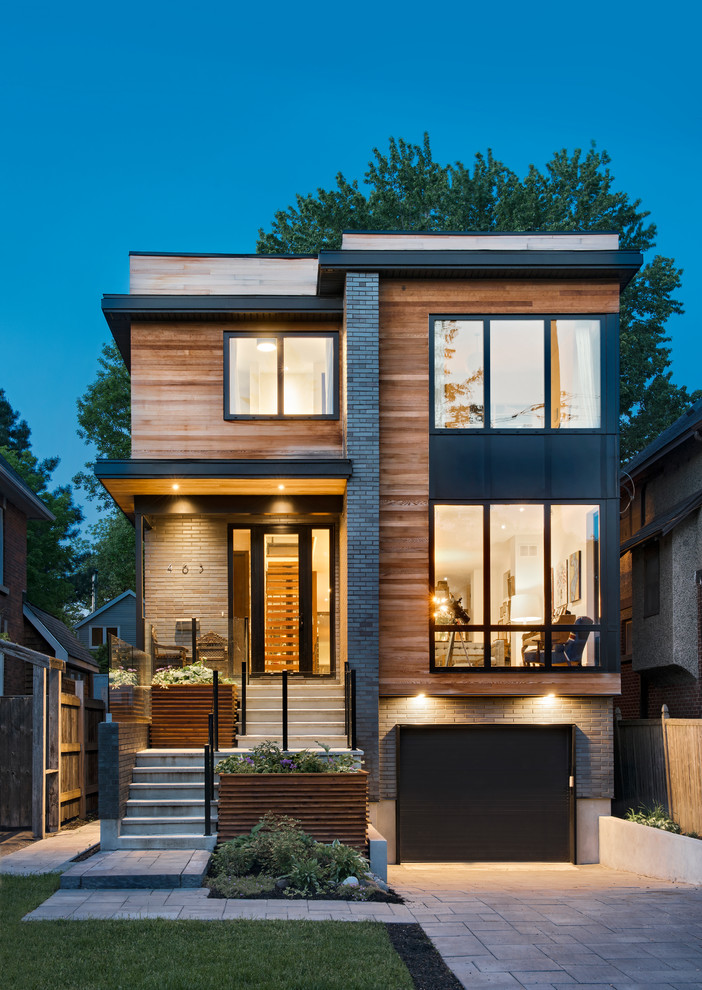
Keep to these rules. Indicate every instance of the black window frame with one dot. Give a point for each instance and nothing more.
(546, 319)
(333, 335)
(487, 628)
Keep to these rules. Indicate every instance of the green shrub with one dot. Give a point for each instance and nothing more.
(305, 875)
(340, 861)
(248, 886)
(656, 817)
(267, 757)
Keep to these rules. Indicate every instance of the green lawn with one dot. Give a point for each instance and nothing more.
(170, 955)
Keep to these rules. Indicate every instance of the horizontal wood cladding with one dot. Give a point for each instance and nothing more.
(411, 241)
(405, 308)
(210, 276)
(516, 682)
(178, 400)
(328, 805)
(179, 715)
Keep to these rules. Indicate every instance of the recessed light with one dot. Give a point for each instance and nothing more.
(175, 487)
(281, 488)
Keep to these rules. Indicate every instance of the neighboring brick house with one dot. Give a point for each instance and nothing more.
(661, 574)
(18, 503)
(401, 455)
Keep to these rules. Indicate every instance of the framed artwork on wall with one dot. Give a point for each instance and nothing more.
(561, 593)
(574, 577)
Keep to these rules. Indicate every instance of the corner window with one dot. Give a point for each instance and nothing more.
(497, 600)
(517, 373)
(277, 375)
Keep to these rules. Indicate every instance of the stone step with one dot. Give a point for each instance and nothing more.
(335, 742)
(172, 842)
(122, 870)
(148, 808)
(260, 726)
(184, 825)
(187, 759)
(311, 709)
(168, 792)
(178, 776)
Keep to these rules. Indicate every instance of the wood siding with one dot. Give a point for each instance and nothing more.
(210, 276)
(178, 400)
(405, 308)
(179, 715)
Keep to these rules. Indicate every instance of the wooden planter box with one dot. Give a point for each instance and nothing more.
(129, 703)
(329, 805)
(179, 716)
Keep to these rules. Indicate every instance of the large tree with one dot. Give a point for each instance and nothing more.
(408, 190)
(53, 548)
(104, 418)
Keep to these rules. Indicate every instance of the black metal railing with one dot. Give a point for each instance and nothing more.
(209, 774)
(350, 705)
(242, 702)
(285, 709)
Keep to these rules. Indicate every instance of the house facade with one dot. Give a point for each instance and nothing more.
(661, 574)
(116, 617)
(400, 457)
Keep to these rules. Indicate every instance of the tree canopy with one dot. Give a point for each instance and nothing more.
(53, 548)
(408, 190)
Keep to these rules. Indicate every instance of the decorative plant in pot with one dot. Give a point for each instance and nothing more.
(181, 699)
(326, 792)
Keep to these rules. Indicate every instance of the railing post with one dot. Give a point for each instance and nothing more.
(285, 709)
(353, 709)
(215, 708)
(193, 639)
(208, 793)
(346, 700)
(243, 698)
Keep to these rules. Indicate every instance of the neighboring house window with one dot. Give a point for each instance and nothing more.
(99, 635)
(509, 373)
(627, 640)
(496, 596)
(280, 375)
(652, 579)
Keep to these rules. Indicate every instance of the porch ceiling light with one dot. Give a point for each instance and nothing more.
(281, 488)
(266, 344)
(175, 487)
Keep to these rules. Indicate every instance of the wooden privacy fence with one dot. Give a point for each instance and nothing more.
(659, 761)
(48, 749)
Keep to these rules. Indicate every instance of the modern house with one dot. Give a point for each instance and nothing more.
(116, 617)
(399, 457)
(661, 574)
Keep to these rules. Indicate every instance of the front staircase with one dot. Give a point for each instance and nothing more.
(166, 805)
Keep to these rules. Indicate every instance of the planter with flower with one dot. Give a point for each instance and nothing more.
(123, 694)
(326, 792)
(181, 700)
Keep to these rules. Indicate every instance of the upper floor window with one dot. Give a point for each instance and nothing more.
(510, 373)
(101, 634)
(281, 375)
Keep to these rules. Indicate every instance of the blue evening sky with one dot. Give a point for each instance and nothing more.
(176, 126)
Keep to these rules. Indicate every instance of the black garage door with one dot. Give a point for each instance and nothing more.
(485, 793)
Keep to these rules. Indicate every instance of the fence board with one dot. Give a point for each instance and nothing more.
(16, 762)
(684, 743)
(640, 777)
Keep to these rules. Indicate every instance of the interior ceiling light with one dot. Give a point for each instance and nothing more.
(266, 344)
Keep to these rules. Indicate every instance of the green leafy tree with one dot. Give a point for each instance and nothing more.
(53, 548)
(104, 419)
(14, 432)
(409, 190)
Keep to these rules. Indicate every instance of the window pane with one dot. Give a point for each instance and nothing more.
(458, 564)
(110, 631)
(96, 635)
(575, 566)
(458, 374)
(575, 374)
(517, 374)
(458, 648)
(253, 376)
(321, 602)
(308, 366)
(517, 564)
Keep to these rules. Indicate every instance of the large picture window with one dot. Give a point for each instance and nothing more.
(516, 585)
(280, 375)
(517, 373)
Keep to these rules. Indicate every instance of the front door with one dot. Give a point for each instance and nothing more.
(281, 598)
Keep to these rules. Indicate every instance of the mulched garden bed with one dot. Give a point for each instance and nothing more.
(426, 967)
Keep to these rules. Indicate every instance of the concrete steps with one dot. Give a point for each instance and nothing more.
(316, 714)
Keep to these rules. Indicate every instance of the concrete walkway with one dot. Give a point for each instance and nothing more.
(496, 926)
(53, 854)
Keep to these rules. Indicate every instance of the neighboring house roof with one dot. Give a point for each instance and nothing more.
(17, 491)
(66, 646)
(664, 523)
(103, 608)
(681, 430)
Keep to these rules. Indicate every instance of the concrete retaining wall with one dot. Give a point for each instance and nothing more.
(650, 852)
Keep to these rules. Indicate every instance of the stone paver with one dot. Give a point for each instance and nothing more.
(53, 854)
(497, 926)
(139, 869)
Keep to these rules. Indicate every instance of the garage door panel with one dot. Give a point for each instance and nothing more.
(484, 793)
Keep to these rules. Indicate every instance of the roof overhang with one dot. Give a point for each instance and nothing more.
(619, 266)
(126, 480)
(121, 311)
(664, 523)
(21, 495)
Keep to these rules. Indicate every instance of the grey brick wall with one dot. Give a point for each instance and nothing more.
(118, 744)
(360, 523)
(591, 716)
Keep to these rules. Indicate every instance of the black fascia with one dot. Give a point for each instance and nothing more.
(222, 468)
(120, 310)
(622, 265)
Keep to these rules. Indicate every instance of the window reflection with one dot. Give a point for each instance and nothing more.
(516, 374)
(458, 374)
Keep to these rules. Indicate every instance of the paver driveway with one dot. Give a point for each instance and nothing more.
(557, 925)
